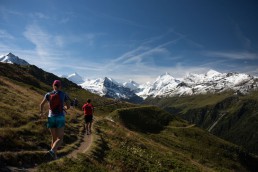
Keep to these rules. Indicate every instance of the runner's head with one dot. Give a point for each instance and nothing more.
(57, 84)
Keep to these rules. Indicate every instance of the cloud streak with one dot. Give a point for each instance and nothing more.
(232, 55)
(5, 35)
(146, 50)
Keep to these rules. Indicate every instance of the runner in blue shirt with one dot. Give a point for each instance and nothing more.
(58, 102)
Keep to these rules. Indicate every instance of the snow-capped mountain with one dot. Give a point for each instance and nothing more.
(211, 82)
(115, 90)
(108, 87)
(161, 86)
(132, 85)
(95, 86)
(166, 85)
(10, 58)
(76, 78)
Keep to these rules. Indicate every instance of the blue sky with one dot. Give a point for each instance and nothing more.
(132, 39)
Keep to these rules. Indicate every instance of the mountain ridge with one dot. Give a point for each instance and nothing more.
(165, 85)
(122, 143)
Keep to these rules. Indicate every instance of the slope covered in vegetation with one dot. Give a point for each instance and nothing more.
(126, 137)
(125, 145)
(229, 116)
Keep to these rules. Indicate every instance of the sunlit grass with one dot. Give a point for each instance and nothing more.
(127, 137)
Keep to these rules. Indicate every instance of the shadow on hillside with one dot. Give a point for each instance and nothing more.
(145, 119)
(250, 162)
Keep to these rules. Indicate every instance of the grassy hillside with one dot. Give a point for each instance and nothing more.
(236, 115)
(22, 132)
(179, 146)
(127, 137)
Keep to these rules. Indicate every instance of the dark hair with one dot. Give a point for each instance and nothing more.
(88, 100)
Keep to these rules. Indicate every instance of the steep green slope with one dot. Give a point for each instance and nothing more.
(22, 132)
(229, 116)
(178, 146)
(126, 137)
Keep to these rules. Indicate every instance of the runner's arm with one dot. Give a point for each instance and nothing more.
(41, 106)
(67, 105)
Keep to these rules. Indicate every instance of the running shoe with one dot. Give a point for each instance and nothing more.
(53, 155)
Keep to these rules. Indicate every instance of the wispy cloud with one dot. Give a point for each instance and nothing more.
(5, 13)
(146, 50)
(40, 38)
(232, 55)
(141, 62)
(40, 15)
(46, 42)
(5, 35)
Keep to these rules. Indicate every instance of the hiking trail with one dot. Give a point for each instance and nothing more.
(83, 148)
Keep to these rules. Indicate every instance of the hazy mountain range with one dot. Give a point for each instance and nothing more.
(164, 86)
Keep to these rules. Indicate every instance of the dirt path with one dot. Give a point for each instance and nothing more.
(83, 148)
(85, 145)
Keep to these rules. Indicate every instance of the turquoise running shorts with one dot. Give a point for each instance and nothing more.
(56, 121)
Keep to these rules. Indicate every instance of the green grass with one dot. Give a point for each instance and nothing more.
(143, 119)
(179, 146)
(127, 137)
(239, 124)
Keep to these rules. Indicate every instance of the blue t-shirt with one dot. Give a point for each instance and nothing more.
(63, 98)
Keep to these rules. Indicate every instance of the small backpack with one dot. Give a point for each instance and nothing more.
(88, 109)
(55, 103)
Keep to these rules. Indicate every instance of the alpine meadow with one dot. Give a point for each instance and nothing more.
(166, 134)
(129, 86)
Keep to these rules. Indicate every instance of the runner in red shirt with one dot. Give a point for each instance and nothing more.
(88, 115)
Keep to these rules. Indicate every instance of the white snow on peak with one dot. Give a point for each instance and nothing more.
(165, 76)
(132, 85)
(166, 85)
(212, 73)
(95, 86)
(12, 59)
(76, 78)
(211, 82)
(161, 86)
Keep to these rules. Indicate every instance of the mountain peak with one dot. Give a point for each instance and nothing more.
(11, 58)
(166, 74)
(111, 80)
(10, 54)
(76, 78)
(132, 85)
(212, 72)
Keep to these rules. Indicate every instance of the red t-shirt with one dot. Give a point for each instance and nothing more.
(88, 109)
